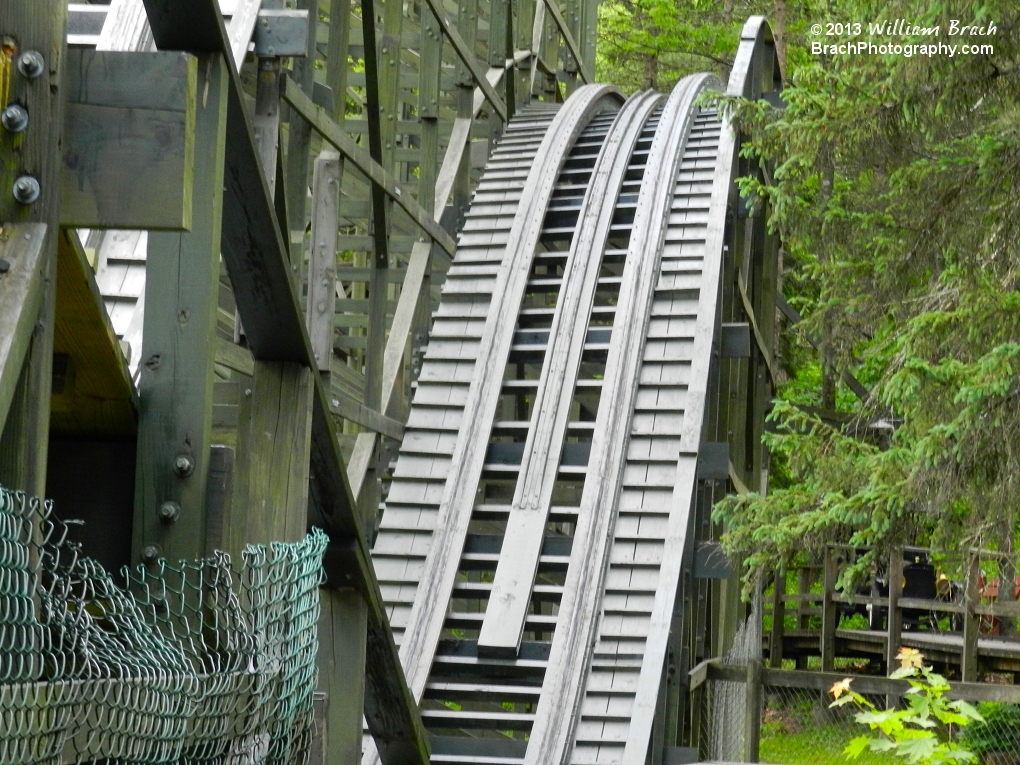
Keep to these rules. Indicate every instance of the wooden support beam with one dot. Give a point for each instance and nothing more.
(22, 286)
(321, 301)
(894, 619)
(29, 166)
(971, 620)
(178, 350)
(364, 415)
(93, 393)
(466, 54)
(829, 614)
(256, 259)
(343, 633)
(568, 37)
(379, 176)
(270, 501)
(129, 118)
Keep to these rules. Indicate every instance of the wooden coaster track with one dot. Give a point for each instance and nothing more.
(538, 548)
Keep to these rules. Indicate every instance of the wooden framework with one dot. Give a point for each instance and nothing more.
(263, 193)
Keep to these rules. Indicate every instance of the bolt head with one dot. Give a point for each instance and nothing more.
(14, 118)
(150, 553)
(27, 189)
(31, 64)
(169, 512)
(5, 265)
(184, 465)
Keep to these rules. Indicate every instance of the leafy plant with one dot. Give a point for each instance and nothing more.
(919, 733)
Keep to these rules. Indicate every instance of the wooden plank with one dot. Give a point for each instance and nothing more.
(178, 350)
(321, 305)
(343, 632)
(466, 55)
(270, 498)
(242, 24)
(93, 394)
(692, 429)
(38, 28)
(568, 37)
(234, 357)
(129, 118)
(869, 684)
(894, 621)
(353, 410)
(256, 258)
(778, 619)
(509, 603)
(425, 624)
(126, 27)
(22, 287)
(830, 616)
(971, 621)
(331, 132)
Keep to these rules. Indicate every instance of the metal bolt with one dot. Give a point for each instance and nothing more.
(5, 265)
(27, 189)
(184, 465)
(150, 553)
(31, 64)
(14, 118)
(169, 512)
(247, 391)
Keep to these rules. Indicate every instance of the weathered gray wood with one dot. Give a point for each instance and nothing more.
(270, 502)
(179, 347)
(342, 649)
(351, 409)
(129, 117)
(379, 176)
(829, 613)
(778, 619)
(41, 27)
(568, 37)
(467, 57)
(971, 621)
(894, 620)
(752, 709)
(242, 24)
(126, 28)
(321, 303)
(539, 471)
(440, 567)
(234, 357)
(22, 289)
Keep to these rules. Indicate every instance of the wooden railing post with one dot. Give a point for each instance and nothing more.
(971, 621)
(778, 618)
(803, 617)
(752, 709)
(829, 616)
(895, 616)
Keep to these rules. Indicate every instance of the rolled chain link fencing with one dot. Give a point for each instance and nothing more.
(196, 663)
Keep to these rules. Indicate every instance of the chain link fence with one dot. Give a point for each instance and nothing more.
(196, 663)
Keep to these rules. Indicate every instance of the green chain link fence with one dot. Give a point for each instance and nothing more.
(196, 663)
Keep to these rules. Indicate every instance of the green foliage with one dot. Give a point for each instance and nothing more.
(894, 184)
(917, 734)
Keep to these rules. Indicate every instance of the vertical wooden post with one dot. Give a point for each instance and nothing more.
(778, 619)
(752, 709)
(273, 451)
(894, 620)
(803, 618)
(322, 257)
(342, 641)
(178, 350)
(34, 29)
(829, 615)
(971, 620)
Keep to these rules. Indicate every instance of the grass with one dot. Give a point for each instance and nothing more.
(792, 735)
